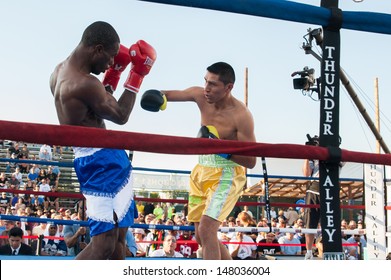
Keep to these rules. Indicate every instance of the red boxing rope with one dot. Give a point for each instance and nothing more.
(66, 135)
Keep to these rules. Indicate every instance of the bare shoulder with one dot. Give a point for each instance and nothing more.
(189, 94)
(244, 122)
(54, 77)
(242, 110)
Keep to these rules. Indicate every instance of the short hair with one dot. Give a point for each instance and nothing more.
(170, 235)
(224, 70)
(15, 232)
(100, 33)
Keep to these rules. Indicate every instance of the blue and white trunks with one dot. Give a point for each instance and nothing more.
(105, 177)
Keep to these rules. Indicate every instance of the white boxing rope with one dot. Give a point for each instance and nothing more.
(186, 228)
(285, 230)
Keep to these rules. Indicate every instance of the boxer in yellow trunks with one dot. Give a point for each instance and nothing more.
(216, 183)
(217, 180)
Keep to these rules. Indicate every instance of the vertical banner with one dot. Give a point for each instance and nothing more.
(374, 212)
(329, 135)
(388, 205)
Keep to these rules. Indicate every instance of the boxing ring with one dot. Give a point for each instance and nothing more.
(64, 135)
(129, 140)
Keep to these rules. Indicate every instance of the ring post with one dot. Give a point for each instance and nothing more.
(329, 135)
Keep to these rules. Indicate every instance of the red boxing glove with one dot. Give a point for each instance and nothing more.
(142, 56)
(113, 74)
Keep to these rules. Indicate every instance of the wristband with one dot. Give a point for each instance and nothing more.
(226, 156)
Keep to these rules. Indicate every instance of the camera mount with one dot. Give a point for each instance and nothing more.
(307, 82)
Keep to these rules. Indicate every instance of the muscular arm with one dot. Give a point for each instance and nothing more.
(245, 133)
(105, 106)
(189, 94)
(71, 240)
(87, 103)
(306, 168)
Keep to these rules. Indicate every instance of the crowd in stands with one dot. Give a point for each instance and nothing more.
(61, 240)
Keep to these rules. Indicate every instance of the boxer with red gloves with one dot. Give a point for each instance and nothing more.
(113, 74)
(81, 99)
(142, 55)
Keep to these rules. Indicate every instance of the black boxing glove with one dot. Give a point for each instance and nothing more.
(153, 100)
(209, 131)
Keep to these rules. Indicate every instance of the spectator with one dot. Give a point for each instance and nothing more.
(52, 177)
(148, 220)
(289, 239)
(131, 247)
(11, 149)
(18, 176)
(168, 250)
(139, 236)
(16, 246)
(291, 216)
(57, 151)
(29, 186)
(245, 209)
(344, 226)
(356, 250)
(56, 170)
(231, 223)
(52, 245)
(187, 244)
(41, 175)
(8, 226)
(158, 211)
(37, 204)
(3, 181)
(13, 182)
(44, 187)
(45, 152)
(67, 213)
(351, 226)
(301, 213)
(242, 251)
(39, 230)
(16, 150)
(4, 200)
(273, 213)
(148, 209)
(60, 227)
(23, 166)
(20, 204)
(170, 210)
(281, 224)
(25, 151)
(155, 237)
(271, 247)
(299, 235)
(281, 215)
(170, 222)
(140, 207)
(247, 221)
(14, 200)
(33, 173)
(52, 201)
(223, 236)
(11, 165)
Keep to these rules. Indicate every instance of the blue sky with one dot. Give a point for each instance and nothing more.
(36, 35)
